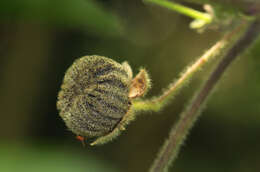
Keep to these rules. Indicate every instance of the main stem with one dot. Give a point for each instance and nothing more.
(179, 132)
(159, 102)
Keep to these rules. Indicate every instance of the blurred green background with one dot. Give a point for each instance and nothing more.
(39, 40)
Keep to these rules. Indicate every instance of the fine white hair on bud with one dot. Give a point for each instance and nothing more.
(95, 96)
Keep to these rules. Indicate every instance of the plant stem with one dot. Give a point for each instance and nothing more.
(238, 6)
(157, 103)
(179, 132)
(182, 9)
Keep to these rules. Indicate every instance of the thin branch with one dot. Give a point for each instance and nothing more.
(207, 18)
(238, 6)
(179, 132)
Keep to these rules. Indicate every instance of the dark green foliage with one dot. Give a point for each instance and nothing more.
(82, 14)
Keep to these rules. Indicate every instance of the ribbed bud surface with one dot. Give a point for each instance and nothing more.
(94, 95)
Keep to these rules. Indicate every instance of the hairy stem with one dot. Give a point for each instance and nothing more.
(179, 131)
(158, 103)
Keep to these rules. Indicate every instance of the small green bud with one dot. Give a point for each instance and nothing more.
(95, 97)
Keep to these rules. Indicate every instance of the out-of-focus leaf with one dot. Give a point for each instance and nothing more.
(49, 159)
(84, 14)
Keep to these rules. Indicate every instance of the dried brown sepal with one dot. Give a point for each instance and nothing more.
(139, 85)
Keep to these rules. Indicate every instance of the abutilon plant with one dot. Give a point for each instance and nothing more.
(99, 97)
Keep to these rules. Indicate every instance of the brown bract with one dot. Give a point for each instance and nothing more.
(139, 85)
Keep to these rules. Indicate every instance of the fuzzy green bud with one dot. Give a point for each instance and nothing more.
(94, 95)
